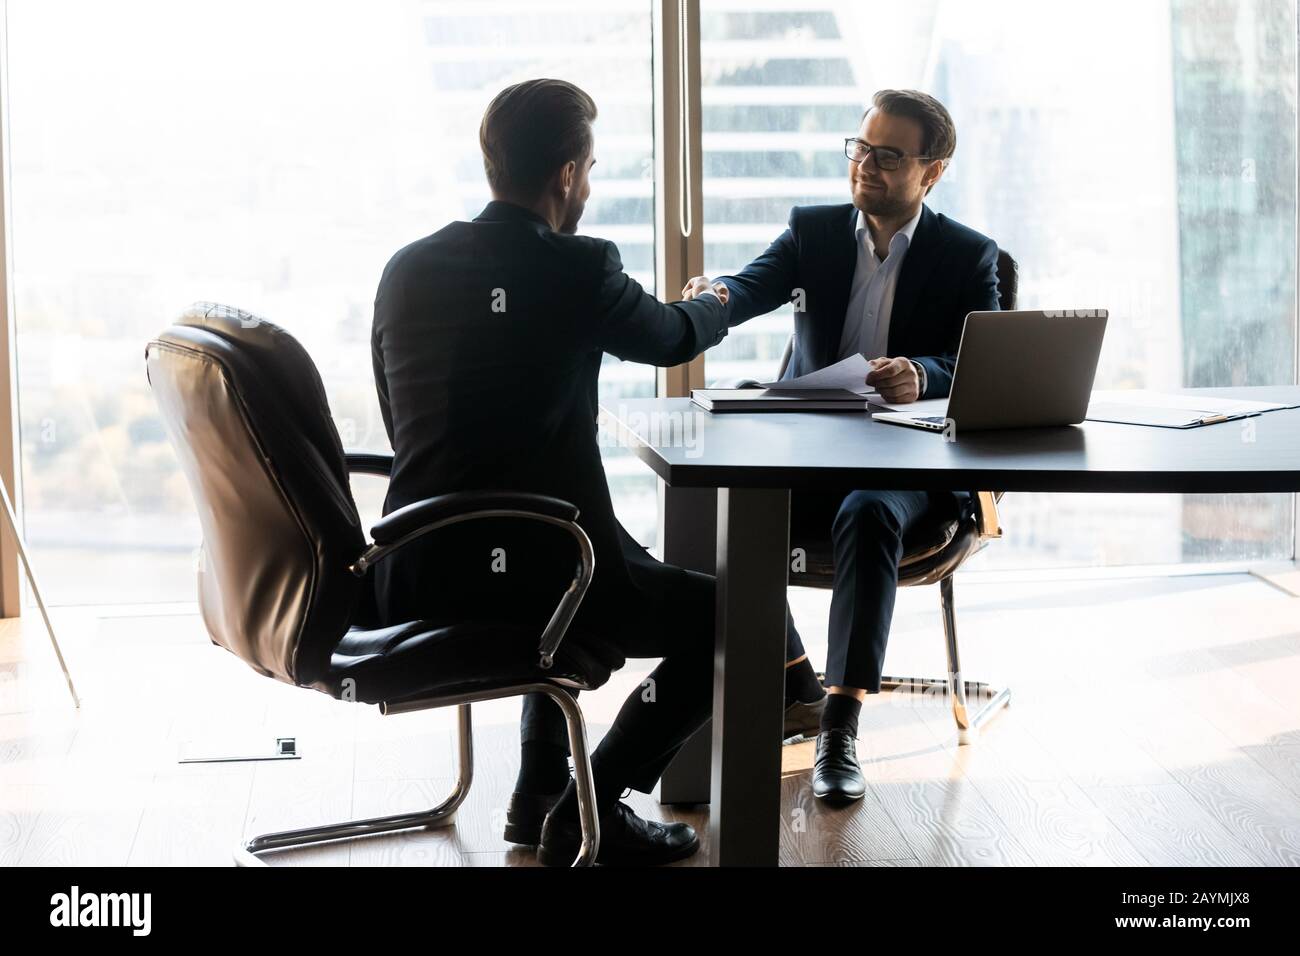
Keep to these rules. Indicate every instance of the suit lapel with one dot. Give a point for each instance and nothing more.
(922, 255)
(842, 259)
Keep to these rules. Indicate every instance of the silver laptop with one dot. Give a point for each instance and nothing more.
(1018, 370)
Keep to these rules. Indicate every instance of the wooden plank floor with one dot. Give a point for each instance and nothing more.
(1154, 721)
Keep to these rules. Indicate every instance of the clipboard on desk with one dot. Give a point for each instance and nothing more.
(1172, 409)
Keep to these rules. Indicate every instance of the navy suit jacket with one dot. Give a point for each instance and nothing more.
(949, 271)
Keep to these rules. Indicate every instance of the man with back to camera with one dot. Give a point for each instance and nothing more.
(885, 277)
(487, 346)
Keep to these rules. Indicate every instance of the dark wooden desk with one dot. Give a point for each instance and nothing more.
(727, 510)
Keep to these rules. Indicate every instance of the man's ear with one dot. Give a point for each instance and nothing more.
(567, 174)
(933, 173)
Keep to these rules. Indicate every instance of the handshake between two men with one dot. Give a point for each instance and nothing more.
(898, 380)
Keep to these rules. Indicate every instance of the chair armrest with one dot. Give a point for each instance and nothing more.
(421, 517)
(369, 463)
(753, 382)
(459, 504)
(986, 514)
(735, 383)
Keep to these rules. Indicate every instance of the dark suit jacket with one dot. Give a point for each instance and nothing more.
(487, 345)
(949, 271)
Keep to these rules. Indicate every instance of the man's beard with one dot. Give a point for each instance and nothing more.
(882, 205)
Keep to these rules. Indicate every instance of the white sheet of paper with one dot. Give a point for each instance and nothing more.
(922, 409)
(849, 373)
(1145, 398)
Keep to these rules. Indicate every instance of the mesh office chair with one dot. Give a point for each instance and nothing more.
(933, 551)
(283, 581)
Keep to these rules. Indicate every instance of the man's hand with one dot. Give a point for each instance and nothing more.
(895, 379)
(701, 284)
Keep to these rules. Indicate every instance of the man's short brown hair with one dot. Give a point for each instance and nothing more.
(530, 130)
(938, 133)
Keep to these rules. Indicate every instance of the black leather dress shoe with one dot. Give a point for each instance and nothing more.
(837, 776)
(625, 840)
(525, 815)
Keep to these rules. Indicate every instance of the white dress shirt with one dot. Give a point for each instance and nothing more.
(871, 297)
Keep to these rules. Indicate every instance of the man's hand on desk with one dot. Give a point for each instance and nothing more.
(895, 379)
(700, 285)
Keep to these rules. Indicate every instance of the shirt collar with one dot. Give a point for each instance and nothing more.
(909, 228)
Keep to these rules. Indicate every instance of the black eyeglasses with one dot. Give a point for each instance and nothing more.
(884, 157)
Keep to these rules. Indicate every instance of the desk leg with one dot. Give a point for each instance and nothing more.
(689, 541)
(748, 683)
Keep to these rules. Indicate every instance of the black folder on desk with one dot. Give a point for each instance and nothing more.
(775, 400)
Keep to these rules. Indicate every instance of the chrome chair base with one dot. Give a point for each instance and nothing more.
(444, 814)
(962, 693)
(968, 722)
(991, 700)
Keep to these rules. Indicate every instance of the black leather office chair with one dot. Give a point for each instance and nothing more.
(933, 551)
(283, 581)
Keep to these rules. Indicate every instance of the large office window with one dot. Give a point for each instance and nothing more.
(1133, 156)
(1139, 157)
(270, 156)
